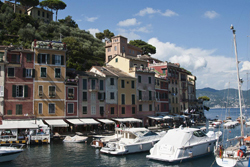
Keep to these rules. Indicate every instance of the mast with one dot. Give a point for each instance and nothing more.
(239, 82)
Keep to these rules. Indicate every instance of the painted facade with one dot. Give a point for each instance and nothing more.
(119, 46)
(18, 90)
(49, 65)
(161, 94)
(3, 61)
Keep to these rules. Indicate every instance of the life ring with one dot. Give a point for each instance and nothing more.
(240, 153)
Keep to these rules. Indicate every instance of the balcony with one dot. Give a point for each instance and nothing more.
(49, 45)
(141, 69)
(71, 81)
(184, 87)
(93, 89)
(145, 98)
(184, 100)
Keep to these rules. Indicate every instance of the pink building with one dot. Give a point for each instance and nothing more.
(19, 77)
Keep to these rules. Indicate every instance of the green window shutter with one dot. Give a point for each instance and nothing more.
(13, 90)
(24, 72)
(53, 59)
(62, 60)
(26, 91)
(39, 58)
(48, 59)
(29, 57)
(33, 73)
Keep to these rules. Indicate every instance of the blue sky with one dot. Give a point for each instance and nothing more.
(194, 33)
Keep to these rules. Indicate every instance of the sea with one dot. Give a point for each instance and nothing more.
(59, 154)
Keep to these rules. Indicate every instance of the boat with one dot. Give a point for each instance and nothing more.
(75, 139)
(100, 141)
(236, 155)
(183, 144)
(133, 140)
(11, 152)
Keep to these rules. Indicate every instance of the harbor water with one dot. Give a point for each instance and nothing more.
(82, 154)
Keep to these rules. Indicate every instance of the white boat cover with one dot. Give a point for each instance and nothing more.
(75, 121)
(106, 121)
(158, 118)
(56, 123)
(127, 120)
(18, 125)
(167, 117)
(89, 121)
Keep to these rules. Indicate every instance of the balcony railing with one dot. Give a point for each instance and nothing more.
(71, 81)
(146, 98)
(141, 69)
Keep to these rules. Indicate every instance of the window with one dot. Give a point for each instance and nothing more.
(38, 13)
(116, 60)
(163, 71)
(140, 107)
(84, 110)
(43, 58)
(112, 110)
(43, 72)
(9, 112)
(150, 107)
(109, 49)
(149, 80)
(109, 58)
(11, 72)
(19, 108)
(92, 84)
(52, 91)
(43, 14)
(133, 99)
(140, 95)
(93, 110)
(115, 48)
(150, 95)
(101, 96)
(40, 89)
(123, 98)
(101, 110)
(133, 110)
(158, 82)
(165, 106)
(57, 59)
(70, 93)
(40, 108)
(176, 100)
(112, 95)
(28, 73)
(123, 83)
(19, 91)
(84, 84)
(112, 81)
(57, 72)
(139, 79)
(70, 108)
(123, 110)
(84, 96)
(52, 108)
(47, 15)
(132, 84)
(123, 49)
(101, 84)
(1, 56)
(29, 57)
(1, 91)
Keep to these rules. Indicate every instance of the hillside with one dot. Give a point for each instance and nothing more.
(223, 98)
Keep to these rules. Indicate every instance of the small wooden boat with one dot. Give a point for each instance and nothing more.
(75, 139)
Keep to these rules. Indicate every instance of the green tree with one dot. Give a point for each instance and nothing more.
(54, 5)
(146, 48)
(105, 35)
(68, 22)
(25, 3)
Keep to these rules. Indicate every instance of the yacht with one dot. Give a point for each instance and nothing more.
(75, 139)
(184, 144)
(9, 153)
(133, 140)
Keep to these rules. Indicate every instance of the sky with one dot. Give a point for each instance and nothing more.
(194, 33)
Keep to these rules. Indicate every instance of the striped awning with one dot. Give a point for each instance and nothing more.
(56, 122)
(89, 121)
(106, 121)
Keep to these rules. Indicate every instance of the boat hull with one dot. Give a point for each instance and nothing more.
(9, 156)
(230, 162)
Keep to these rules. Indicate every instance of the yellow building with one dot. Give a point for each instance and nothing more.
(40, 13)
(49, 87)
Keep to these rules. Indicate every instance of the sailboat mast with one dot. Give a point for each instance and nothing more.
(239, 82)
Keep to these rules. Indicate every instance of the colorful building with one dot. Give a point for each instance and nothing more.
(50, 75)
(18, 83)
(161, 94)
(3, 61)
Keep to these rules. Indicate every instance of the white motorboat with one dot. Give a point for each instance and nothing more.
(101, 140)
(183, 144)
(236, 155)
(75, 139)
(133, 140)
(9, 153)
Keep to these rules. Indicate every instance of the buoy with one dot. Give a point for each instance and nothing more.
(230, 131)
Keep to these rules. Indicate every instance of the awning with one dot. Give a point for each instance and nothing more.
(106, 121)
(75, 121)
(56, 123)
(18, 125)
(127, 120)
(156, 118)
(89, 121)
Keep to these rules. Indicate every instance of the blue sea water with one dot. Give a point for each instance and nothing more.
(82, 154)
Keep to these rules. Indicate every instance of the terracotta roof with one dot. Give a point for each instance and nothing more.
(118, 72)
(105, 71)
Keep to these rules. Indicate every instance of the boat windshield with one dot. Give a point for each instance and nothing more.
(150, 134)
(199, 133)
